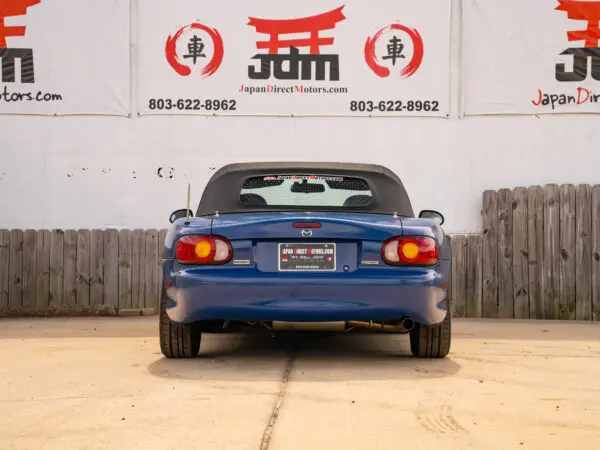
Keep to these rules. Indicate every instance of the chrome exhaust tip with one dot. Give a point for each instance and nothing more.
(409, 324)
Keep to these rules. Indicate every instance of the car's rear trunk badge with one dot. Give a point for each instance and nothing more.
(241, 262)
(369, 262)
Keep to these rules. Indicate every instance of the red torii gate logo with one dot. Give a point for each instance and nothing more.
(13, 8)
(300, 64)
(8, 55)
(590, 12)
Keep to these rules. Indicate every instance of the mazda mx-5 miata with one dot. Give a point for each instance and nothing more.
(320, 247)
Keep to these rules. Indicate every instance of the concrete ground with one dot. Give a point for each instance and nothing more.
(103, 383)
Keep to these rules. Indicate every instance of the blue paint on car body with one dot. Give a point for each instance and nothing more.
(369, 290)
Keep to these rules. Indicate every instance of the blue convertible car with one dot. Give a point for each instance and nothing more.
(305, 247)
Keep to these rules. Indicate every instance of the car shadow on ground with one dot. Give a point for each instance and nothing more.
(312, 358)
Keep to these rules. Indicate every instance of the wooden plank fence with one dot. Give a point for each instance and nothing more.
(80, 272)
(538, 256)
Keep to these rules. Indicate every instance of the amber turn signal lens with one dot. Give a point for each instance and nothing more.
(203, 249)
(410, 251)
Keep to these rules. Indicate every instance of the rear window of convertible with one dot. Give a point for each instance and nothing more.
(306, 190)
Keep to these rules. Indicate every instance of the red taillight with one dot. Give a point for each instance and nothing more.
(413, 250)
(203, 249)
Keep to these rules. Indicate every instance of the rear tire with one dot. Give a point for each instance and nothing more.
(177, 341)
(432, 342)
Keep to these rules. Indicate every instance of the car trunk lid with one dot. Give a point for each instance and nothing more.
(293, 242)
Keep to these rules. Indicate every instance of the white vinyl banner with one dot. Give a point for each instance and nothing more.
(64, 57)
(531, 57)
(310, 58)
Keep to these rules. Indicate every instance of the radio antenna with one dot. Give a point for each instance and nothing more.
(187, 210)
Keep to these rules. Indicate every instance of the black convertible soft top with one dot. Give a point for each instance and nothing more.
(223, 189)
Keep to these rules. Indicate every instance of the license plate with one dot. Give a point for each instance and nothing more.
(307, 257)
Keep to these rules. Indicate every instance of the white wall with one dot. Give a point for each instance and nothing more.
(95, 172)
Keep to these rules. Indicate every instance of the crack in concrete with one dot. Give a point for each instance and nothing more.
(289, 366)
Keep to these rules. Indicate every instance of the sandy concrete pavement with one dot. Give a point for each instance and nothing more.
(103, 383)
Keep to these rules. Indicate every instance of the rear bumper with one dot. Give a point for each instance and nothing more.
(234, 294)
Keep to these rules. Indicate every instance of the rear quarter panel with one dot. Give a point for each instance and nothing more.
(197, 225)
(427, 227)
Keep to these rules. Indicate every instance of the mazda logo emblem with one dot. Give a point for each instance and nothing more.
(306, 233)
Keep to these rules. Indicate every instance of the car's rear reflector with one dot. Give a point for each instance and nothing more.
(410, 250)
(307, 225)
(203, 249)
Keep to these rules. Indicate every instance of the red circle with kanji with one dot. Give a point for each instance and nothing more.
(414, 63)
(185, 70)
